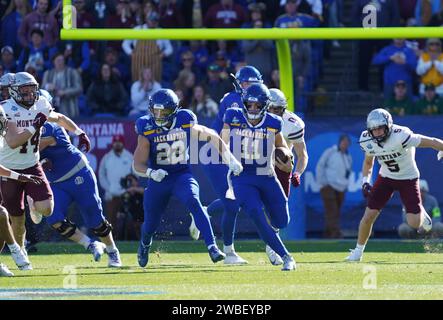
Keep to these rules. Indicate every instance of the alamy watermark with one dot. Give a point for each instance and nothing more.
(370, 277)
(70, 281)
(369, 16)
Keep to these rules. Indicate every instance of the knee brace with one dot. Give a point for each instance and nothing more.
(102, 230)
(67, 228)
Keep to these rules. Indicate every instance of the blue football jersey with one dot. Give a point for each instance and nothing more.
(252, 144)
(64, 155)
(230, 100)
(169, 148)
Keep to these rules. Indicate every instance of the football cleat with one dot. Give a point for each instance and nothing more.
(114, 259)
(143, 254)
(21, 259)
(233, 258)
(97, 249)
(288, 263)
(216, 254)
(274, 258)
(36, 217)
(355, 255)
(427, 223)
(194, 232)
(4, 271)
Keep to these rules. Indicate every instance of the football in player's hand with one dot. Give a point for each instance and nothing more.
(282, 154)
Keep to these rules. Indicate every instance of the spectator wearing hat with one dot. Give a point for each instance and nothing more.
(399, 63)
(431, 103)
(400, 103)
(214, 84)
(37, 53)
(430, 204)
(7, 60)
(115, 165)
(333, 171)
(11, 21)
(149, 53)
(430, 66)
(225, 14)
(106, 94)
(141, 90)
(65, 85)
(41, 19)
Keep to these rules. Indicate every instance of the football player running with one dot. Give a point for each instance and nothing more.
(6, 234)
(293, 132)
(27, 112)
(162, 155)
(394, 148)
(253, 134)
(217, 172)
(73, 180)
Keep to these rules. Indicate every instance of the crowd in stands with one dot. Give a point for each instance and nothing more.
(114, 78)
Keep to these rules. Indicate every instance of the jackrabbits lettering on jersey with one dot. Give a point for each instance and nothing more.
(27, 155)
(396, 155)
(169, 147)
(252, 144)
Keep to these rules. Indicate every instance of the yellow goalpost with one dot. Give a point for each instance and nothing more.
(280, 35)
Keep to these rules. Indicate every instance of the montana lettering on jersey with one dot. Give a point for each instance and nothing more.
(396, 155)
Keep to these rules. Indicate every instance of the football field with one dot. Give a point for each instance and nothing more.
(183, 270)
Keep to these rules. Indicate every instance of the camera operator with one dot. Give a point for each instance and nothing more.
(130, 216)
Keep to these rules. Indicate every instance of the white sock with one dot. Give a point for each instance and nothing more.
(13, 247)
(111, 248)
(85, 241)
(227, 249)
(360, 247)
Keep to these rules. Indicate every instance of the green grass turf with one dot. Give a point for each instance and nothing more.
(183, 270)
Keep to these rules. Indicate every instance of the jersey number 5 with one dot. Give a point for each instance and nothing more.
(392, 166)
(34, 141)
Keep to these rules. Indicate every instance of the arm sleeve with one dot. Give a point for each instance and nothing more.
(47, 131)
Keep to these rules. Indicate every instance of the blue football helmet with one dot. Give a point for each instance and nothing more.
(256, 93)
(163, 106)
(247, 74)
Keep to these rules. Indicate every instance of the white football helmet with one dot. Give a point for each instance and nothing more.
(5, 82)
(278, 101)
(378, 118)
(20, 81)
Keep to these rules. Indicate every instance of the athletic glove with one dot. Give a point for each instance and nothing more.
(156, 175)
(295, 179)
(84, 144)
(366, 189)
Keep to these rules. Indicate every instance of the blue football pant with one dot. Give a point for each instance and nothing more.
(257, 192)
(83, 190)
(156, 197)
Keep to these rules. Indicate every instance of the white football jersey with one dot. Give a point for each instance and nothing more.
(396, 155)
(27, 155)
(293, 128)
